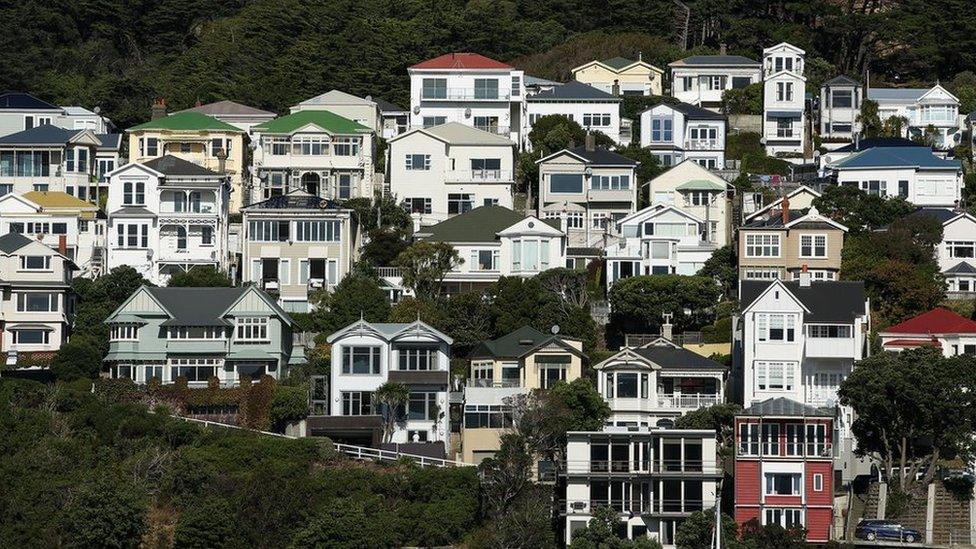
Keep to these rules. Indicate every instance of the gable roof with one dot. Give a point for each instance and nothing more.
(715, 60)
(897, 157)
(456, 133)
(573, 90)
(961, 268)
(482, 224)
(897, 94)
(670, 356)
(599, 156)
(784, 407)
(111, 141)
(461, 60)
(24, 101)
(389, 330)
(45, 134)
(936, 321)
(177, 167)
(778, 201)
(827, 301)
(841, 80)
(618, 62)
(335, 97)
(328, 121)
(692, 112)
(939, 214)
(58, 200)
(519, 343)
(654, 210)
(11, 242)
(186, 121)
(227, 108)
(205, 306)
(386, 106)
(872, 142)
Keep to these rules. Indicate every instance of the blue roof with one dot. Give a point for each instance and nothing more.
(872, 142)
(573, 90)
(898, 157)
(40, 135)
(22, 100)
(110, 140)
(896, 94)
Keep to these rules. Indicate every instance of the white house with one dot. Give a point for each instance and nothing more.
(446, 170)
(845, 151)
(470, 89)
(494, 241)
(167, 216)
(922, 107)
(956, 253)
(365, 355)
(939, 328)
(840, 106)
(21, 111)
(702, 79)
(784, 93)
(233, 113)
(592, 108)
(675, 133)
(913, 173)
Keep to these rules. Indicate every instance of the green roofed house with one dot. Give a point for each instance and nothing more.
(313, 150)
(195, 137)
(199, 334)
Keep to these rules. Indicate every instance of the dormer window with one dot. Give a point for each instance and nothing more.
(252, 329)
(35, 262)
(124, 332)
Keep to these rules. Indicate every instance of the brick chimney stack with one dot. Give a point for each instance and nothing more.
(158, 108)
(590, 142)
(785, 207)
(63, 245)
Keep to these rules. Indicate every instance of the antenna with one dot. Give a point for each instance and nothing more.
(554, 329)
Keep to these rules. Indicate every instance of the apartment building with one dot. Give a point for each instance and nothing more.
(21, 111)
(200, 334)
(621, 76)
(913, 173)
(592, 108)
(675, 133)
(317, 151)
(702, 79)
(921, 108)
(783, 244)
(166, 216)
(297, 244)
(784, 100)
(233, 113)
(840, 107)
(502, 368)
(365, 355)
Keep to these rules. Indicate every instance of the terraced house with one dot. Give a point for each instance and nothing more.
(199, 334)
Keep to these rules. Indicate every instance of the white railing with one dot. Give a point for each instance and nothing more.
(506, 383)
(702, 145)
(639, 467)
(375, 454)
(479, 175)
(465, 94)
(830, 347)
(690, 401)
(499, 130)
(389, 272)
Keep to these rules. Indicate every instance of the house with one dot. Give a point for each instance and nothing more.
(653, 478)
(840, 107)
(696, 190)
(784, 466)
(80, 118)
(940, 328)
(394, 119)
(233, 113)
(592, 108)
(621, 76)
(800, 198)
(318, 151)
(702, 79)
(195, 137)
(922, 107)
(787, 243)
(678, 132)
(37, 302)
(845, 151)
(365, 355)
(51, 217)
(513, 364)
(494, 241)
(107, 158)
(470, 89)
(784, 93)
(913, 173)
(956, 253)
(654, 384)
(296, 244)
(200, 334)
(21, 111)
(589, 189)
(450, 169)
(166, 216)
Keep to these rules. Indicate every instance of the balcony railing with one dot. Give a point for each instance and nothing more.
(702, 145)
(691, 401)
(636, 467)
(786, 133)
(389, 272)
(465, 94)
(507, 383)
(479, 175)
(640, 506)
(801, 449)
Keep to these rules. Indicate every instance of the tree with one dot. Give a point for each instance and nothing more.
(588, 410)
(514, 302)
(424, 265)
(104, 513)
(723, 267)
(383, 246)
(526, 523)
(640, 302)
(200, 277)
(208, 523)
(697, 530)
(756, 535)
(858, 210)
(747, 100)
(601, 533)
(870, 119)
(506, 474)
(288, 405)
(392, 397)
(554, 132)
(79, 358)
(380, 213)
(912, 409)
(719, 417)
(354, 522)
(468, 321)
(411, 309)
(648, 166)
(356, 296)
(963, 86)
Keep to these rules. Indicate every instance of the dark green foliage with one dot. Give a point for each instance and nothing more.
(588, 410)
(746, 147)
(858, 210)
(200, 277)
(289, 404)
(696, 531)
(79, 358)
(384, 246)
(378, 214)
(104, 513)
(747, 100)
(555, 132)
(207, 524)
(723, 266)
(719, 417)
(640, 302)
(601, 533)
(356, 296)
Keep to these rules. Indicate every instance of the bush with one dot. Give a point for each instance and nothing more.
(206, 524)
(289, 404)
(76, 359)
(105, 513)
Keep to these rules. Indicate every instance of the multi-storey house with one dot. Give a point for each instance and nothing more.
(365, 355)
(297, 244)
(833, 156)
(695, 190)
(590, 189)
(621, 76)
(840, 107)
(784, 95)
(166, 216)
(233, 113)
(200, 334)
(470, 89)
(513, 364)
(799, 199)
(786, 243)
(37, 306)
(22, 111)
(58, 220)
(956, 252)
(679, 132)
(913, 173)
(447, 170)
(922, 108)
(316, 151)
(197, 138)
(702, 79)
(940, 328)
(784, 466)
(594, 109)
(653, 478)
(394, 119)
(493, 242)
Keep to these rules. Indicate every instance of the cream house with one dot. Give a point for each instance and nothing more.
(233, 113)
(700, 193)
(621, 76)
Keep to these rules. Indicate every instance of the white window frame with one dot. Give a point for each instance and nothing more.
(252, 329)
(813, 242)
(763, 245)
(766, 374)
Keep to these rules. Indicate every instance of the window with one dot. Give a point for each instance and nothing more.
(310, 145)
(134, 193)
(516, 86)
(787, 518)
(31, 337)
(762, 245)
(361, 360)
(776, 327)
(41, 187)
(529, 255)
(662, 129)
(206, 236)
(152, 146)
(486, 168)
(574, 220)
(434, 88)
(596, 120)
(770, 439)
(484, 260)
(840, 128)
(418, 161)
(422, 406)
(698, 198)
(687, 83)
(124, 332)
(626, 385)
(749, 439)
(550, 374)
(775, 376)
(431, 121)
(35, 262)
(346, 146)
(269, 231)
(571, 183)
(251, 328)
(180, 238)
(833, 331)
(317, 231)
(818, 482)
(38, 302)
(486, 88)
(875, 187)
(153, 372)
(195, 332)
(784, 91)
(487, 416)
(275, 146)
(459, 203)
(417, 358)
(357, 403)
(813, 245)
(418, 205)
(610, 182)
(133, 236)
(715, 82)
(961, 248)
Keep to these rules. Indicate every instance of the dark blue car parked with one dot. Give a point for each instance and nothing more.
(873, 530)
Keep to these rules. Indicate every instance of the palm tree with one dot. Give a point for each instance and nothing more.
(392, 397)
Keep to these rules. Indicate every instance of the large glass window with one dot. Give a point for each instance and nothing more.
(749, 439)
(418, 162)
(813, 245)
(417, 358)
(268, 231)
(436, 88)
(775, 376)
(626, 385)
(485, 416)
(361, 360)
(35, 262)
(530, 254)
(571, 183)
(787, 518)
(422, 406)
(357, 403)
(38, 302)
(459, 203)
(841, 99)
(252, 328)
(317, 231)
(662, 129)
(486, 88)
(194, 369)
(762, 245)
(782, 484)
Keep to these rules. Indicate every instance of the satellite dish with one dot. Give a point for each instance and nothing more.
(554, 329)
(467, 113)
(97, 110)
(416, 109)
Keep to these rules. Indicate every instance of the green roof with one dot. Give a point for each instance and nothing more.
(481, 224)
(700, 185)
(186, 121)
(328, 121)
(618, 62)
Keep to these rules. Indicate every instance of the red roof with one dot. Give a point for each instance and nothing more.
(936, 321)
(912, 343)
(461, 61)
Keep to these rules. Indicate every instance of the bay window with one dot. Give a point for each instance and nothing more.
(38, 302)
(361, 360)
(775, 376)
(124, 332)
(776, 327)
(530, 254)
(252, 329)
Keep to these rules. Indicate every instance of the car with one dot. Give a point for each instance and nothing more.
(873, 530)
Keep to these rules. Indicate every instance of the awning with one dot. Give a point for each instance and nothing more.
(700, 185)
(129, 356)
(784, 114)
(912, 343)
(553, 359)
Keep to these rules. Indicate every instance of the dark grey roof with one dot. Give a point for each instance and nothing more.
(11, 242)
(961, 268)
(585, 252)
(873, 142)
(22, 100)
(386, 106)
(939, 214)
(296, 200)
(784, 407)
(618, 62)
(228, 108)
(482, 224)
(696, 113)
(511, 345)
(602, 157)
(828, 301)
(110, 140)
(842, 80)
(669, 357)
(171, 165)
(573, 91)
(709, 60)
(203, 306)
(774, 219)
(45, 134)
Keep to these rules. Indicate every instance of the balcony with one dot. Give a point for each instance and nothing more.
(645, 467)
(800, 450)
(465, 94)
(389, 272)
(688, 402)
(703, 145)
(832, 347)
(499, 383)
(486, 176)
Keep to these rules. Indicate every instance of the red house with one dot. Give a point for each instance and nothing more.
(784, 466)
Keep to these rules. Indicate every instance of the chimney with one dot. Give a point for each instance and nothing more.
(667, 329)
(804, 276)
(158, 108)
(615, 89)
(785, 209)
(222, 161)
(640, 56)
(590, 142)
(721, 48)
(63, 245)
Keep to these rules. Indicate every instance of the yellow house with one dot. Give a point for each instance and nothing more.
(511, 365)
(621, 76)
(197, 138)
